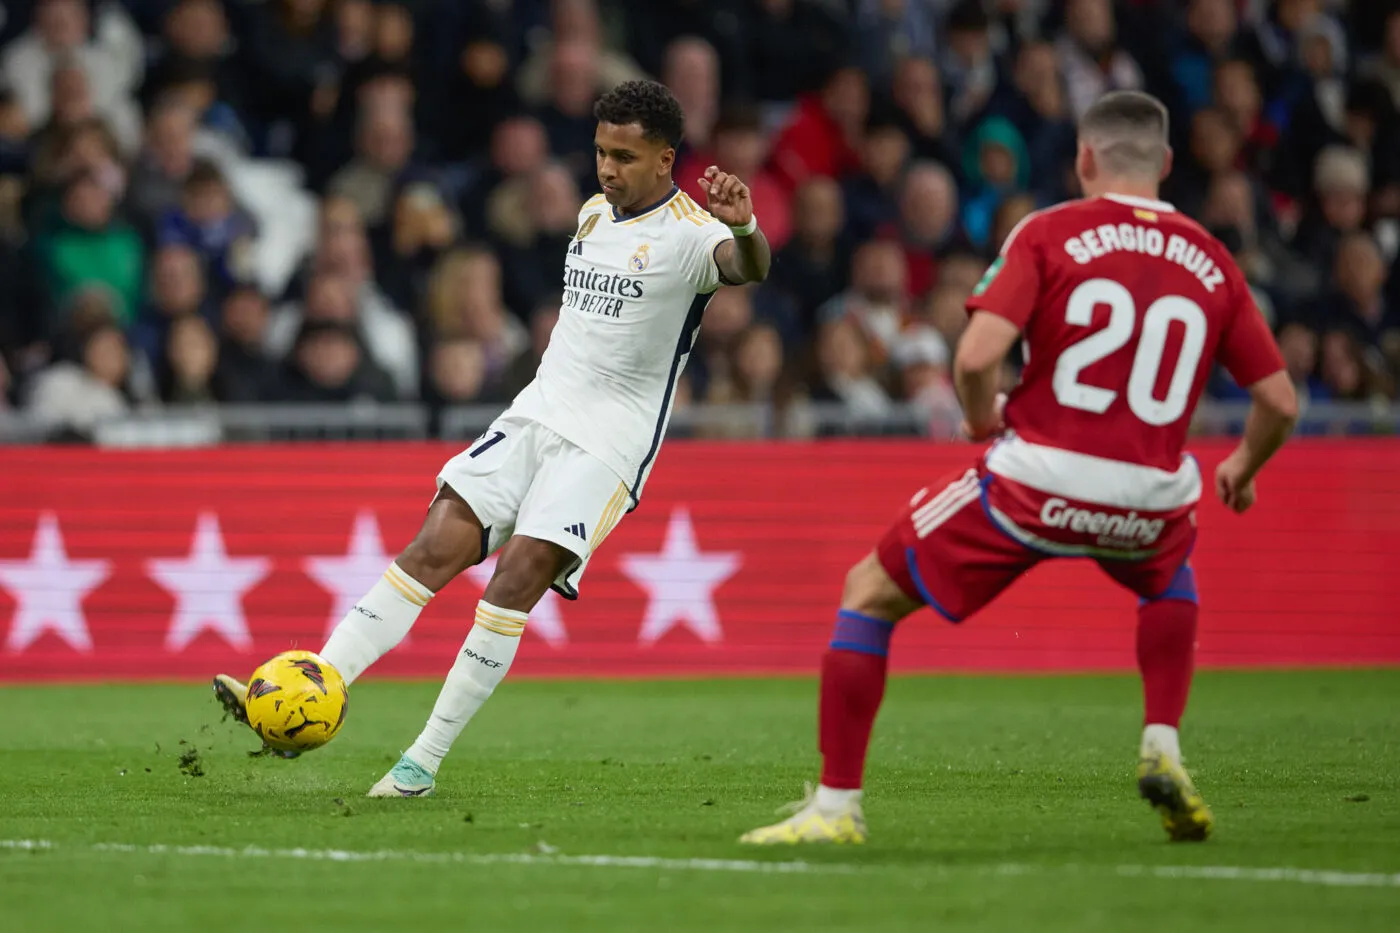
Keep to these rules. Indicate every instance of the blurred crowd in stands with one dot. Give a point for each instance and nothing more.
(327, 200)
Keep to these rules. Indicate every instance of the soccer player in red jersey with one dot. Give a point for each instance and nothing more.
(1124, 305)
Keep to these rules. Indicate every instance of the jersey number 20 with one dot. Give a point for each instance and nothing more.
(1152, 344)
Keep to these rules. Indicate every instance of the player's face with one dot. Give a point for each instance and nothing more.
(633, 171)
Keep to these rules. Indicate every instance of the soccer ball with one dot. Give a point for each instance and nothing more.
(296, 701)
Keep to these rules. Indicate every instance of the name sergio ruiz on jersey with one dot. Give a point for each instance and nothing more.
(597, 292)
(1148, 241)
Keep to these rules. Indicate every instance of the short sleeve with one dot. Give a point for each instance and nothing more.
(1010, 288)
(1247, 348)
(698, 254)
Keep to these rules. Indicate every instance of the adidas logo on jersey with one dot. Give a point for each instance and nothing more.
(577, 530)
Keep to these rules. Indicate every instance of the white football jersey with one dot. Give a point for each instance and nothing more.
(634, 290)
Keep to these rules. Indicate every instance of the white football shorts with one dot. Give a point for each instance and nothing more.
(520, 478)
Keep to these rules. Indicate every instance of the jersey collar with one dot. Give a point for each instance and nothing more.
(618, 218)
(1144, 203)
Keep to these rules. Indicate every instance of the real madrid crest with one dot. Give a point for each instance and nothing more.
(587, 226)
(640, 259)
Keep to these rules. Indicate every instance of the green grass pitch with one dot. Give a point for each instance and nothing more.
(994, 804)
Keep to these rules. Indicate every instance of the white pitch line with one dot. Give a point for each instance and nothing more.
(1302, 876)
(459, 858)
(1330, 879)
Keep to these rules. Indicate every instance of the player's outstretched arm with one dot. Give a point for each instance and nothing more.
(747, 257)
(976, 367)
(1273, 411)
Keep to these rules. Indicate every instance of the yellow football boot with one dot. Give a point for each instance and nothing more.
(809, 823)
(1164, 783)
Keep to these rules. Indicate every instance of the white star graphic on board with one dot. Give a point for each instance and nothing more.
(350, 577)
(208, 587)
(50, 589)
(680, 582)
(545, 620)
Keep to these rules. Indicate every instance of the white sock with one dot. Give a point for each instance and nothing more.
(486, 657)
(833, 800)
(377, 623)
(1163, 740)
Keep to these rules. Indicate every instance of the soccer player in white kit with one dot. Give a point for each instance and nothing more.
(557, 471)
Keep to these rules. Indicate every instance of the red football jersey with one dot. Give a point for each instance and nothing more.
(1124, 305)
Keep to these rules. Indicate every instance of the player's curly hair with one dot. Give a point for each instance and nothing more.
(648, 103)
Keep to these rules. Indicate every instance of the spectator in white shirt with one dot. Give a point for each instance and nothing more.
(112, 58)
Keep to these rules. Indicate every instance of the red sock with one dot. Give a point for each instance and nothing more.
(1166, 652)
(853, 684)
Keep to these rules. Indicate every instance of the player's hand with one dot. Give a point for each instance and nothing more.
(1230, 485)
(977, 436)
(727, 197)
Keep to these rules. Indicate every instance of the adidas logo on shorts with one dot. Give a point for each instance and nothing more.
(577, 530)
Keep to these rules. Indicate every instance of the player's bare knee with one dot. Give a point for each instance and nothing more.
(427, 560)
(524, 572)
(448, 543)
(518, 585)
(861, 580)
(870, 591)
